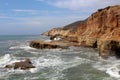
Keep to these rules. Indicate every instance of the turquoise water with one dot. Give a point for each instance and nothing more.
(75, 63)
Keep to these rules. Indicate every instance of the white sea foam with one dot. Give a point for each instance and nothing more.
(110, 66)
(9, 59)
(33, 52)
(75, 62)
(5, 59)
(46, 62)
(52, 61)
(22, 47)
(33, 70)
(43, 62)
(48, 40)
(56, 64)
(16, 71)
(113, 72)
(31, 78)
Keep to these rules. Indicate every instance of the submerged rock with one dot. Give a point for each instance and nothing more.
(24, 65)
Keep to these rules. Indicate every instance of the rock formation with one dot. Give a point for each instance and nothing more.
(38, 44)
(101, 30)
(24, 65)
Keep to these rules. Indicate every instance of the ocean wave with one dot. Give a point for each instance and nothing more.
(111, 66)
(43, 62)
(52, 65)
(5, 59)
(48, 40)
(22, 47)
(31, 78)
(114, 71)
(57, 65)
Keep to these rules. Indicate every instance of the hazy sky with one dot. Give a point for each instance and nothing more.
(36, 16)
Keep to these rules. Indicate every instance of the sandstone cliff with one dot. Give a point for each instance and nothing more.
(101, 30)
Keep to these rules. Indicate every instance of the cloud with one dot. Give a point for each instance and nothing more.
(34, 25)
(3, 16)
(25, 11)
(35, 11)
(83, 4)
(43, 20)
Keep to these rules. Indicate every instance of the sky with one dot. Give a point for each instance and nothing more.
(33, 17)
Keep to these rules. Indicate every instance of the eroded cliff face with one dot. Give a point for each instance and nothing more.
(105, 23)
(101, 30)
(66, 34)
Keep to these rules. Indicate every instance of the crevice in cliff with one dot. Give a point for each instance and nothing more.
(118, 20)
(95, 45)
(115, 49)
(117, 52)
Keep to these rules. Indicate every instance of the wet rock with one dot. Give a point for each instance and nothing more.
(44, 45)
(38, 44)
(9, 66)
(24, 65)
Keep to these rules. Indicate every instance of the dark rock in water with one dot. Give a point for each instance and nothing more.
(38, 44)
(9, 66)
(44, 45)
(24, 65)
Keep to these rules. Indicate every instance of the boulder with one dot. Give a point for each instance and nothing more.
(24, 65)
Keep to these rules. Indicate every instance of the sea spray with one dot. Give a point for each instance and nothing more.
(5, 59)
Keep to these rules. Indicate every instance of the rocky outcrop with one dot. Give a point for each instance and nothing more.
(109, 48)
(101, 30)
(65, 34)
(51, 45)
(23, 65)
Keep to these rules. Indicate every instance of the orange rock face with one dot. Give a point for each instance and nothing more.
(101, 30)
(105, 23)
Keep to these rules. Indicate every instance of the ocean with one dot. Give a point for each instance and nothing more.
(74, 63)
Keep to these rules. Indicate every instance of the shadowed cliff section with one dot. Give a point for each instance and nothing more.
(73, 26)
(101, 30)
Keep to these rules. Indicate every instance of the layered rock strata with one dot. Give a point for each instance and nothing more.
(101, 30)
